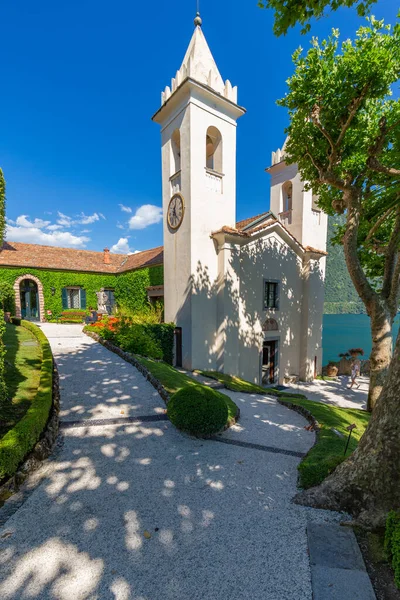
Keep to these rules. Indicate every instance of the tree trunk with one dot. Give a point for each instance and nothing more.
(381, 354)
(367, 484)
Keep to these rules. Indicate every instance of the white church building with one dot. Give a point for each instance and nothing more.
(248, 296)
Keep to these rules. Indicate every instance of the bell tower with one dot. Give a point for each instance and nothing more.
(198, 117)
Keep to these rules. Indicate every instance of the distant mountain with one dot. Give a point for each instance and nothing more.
(340, 294)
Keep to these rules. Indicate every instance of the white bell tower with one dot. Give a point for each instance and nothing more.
(198, 135)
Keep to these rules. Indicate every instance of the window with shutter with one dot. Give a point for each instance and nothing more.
(271, 295)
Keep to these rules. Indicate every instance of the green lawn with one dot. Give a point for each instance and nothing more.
(240, 385)
(328, 451)
(22, 374)
(173, 381)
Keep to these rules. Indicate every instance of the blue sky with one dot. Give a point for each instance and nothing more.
(79, 84)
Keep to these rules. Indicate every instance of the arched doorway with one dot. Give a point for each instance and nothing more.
(36, 301)
(29, 298)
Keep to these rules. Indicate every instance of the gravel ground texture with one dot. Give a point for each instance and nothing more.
(138, 511)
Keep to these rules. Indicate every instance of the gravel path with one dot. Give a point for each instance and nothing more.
(138, 511)
(336, 392)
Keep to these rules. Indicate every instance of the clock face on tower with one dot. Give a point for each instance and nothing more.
(176, 209)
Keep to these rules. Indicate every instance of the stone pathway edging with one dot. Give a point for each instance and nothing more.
(42, 449)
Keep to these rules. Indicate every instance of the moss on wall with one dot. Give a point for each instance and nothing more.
(130, 288)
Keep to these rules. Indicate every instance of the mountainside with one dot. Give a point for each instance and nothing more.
(340, 294)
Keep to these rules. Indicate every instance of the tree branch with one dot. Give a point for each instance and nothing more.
(315, 113)
(375, 165)
(350, 245)
(394, 296)
(378, 224)
(354, 106)
(390, 259)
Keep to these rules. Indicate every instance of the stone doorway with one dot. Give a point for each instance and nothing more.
(29, 301)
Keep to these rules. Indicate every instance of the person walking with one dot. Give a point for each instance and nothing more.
(355, 372)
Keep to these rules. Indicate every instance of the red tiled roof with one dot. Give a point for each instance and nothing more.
(147, 258)
(245, 222)
(18, 254)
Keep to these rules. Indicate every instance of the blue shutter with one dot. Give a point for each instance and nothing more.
(83, 299)
(64, 297)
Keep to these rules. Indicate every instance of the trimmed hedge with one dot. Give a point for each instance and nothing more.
(392, 543)
(20, 440)
(198, 410)
(3, 387)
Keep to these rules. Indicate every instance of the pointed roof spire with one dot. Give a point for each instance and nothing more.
(199, 63)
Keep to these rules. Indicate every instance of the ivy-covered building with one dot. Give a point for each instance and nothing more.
(48, 280)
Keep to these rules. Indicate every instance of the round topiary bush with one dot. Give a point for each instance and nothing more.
(198, 410)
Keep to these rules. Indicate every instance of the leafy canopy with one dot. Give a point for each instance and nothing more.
(344, 131)
(290, 12)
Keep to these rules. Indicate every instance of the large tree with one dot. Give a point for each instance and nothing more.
(290, 12)
(344, 134)
(367, 484)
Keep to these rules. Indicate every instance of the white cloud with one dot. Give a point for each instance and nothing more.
(146, 215)
(22, 221)
(53, 227)
(88, 219)
(35, 235)
(125, 208)
(64, 220)
(122, 247)
(86, 230)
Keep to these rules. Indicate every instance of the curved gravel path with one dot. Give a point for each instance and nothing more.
(134, 510)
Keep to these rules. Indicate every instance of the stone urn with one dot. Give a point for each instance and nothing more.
(332, 370)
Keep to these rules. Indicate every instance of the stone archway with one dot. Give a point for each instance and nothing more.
(17, 283)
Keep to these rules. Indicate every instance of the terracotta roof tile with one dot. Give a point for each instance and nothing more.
(17, 254)
(147, 258)
(245, 222)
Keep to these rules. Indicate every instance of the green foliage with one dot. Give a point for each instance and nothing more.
(340, 294)
(2, 208)
(155, 340)
(3, 387)
(344, 135)
(91, 282)
(289, 14)
(198, 410)
(236, 384)
(328, 452)
(392, 543)
(23, 361)
(130, 288)
(7, 297)
(20, 440)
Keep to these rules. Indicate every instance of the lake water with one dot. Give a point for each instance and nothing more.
(341, 332)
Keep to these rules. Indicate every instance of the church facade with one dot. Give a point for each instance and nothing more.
(246, 297)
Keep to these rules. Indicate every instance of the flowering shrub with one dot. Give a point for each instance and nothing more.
(155, 340)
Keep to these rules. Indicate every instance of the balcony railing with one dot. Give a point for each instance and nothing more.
(286, 217)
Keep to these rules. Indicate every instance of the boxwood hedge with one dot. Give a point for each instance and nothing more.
(392, 543)
(20, 440)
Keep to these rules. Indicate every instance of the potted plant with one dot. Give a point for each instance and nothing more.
(331, 369)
